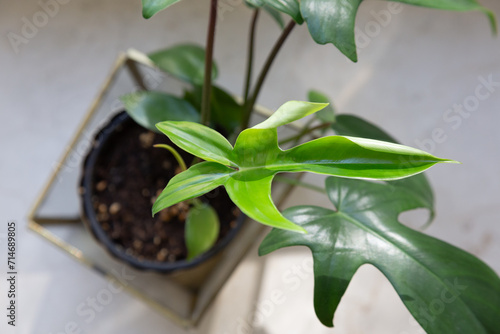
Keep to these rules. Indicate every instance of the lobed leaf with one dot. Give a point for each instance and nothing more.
(333, 21)
(446, 289)
(289, 7)
(256, 158)
(350, 125)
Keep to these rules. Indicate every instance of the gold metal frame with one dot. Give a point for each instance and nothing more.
(202, 298)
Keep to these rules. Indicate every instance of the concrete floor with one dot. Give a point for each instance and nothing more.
(411, 72)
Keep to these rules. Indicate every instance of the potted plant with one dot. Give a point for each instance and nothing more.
(364, 226)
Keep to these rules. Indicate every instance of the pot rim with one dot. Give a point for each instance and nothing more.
(90, 220)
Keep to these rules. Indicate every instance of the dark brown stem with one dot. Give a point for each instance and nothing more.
(207, 83)
(263, 74)
(251, 43)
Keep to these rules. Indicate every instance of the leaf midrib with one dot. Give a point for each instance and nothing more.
(278, 166)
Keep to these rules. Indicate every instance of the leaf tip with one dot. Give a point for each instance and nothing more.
(449, 161)
(147, 14)
(298, 229)
(493, 21)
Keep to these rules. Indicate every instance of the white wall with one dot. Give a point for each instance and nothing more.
(419, 65)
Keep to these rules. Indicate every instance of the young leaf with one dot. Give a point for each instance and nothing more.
(199, 140)
(151, 7)
(357, 158)
(148, 108)
(201, 230)
(332, 21)
(289, 112)
(252, 195)
(194, 182)
(184, 61)
(176, 155)
(446, 289)
(256, 158)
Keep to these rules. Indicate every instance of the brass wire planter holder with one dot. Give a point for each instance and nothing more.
(56, 215)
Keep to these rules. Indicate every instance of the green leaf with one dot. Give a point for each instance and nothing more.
(256, 158)
(289, 112)
(255, 3)
(446, 289)
(276, 15)
(199, 140)
(151, 7)
(225, 110)
(326, 115)
(332, 21)
(456, 5)
(201, 230)
(251, 192)
(148, 108)
(350, 125)
(357, 158)
(184, 61)
(289, 7)
(174, 152)
(196, 181)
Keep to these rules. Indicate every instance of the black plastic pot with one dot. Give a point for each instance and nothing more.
(89, 215)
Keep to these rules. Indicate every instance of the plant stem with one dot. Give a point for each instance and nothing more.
(251, 43)
(304, 132)
(263, 74)
(207, 84)
(176, 155)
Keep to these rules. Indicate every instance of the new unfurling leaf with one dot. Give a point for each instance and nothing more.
(247, 170)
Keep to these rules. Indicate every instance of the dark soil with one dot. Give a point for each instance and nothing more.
(129, 175)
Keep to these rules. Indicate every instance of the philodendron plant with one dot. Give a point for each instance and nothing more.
(364, 226)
